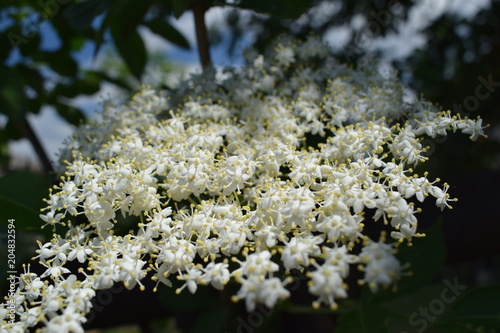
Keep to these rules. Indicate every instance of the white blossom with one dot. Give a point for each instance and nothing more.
(273, 167)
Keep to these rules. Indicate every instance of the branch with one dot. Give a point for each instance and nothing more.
(201, 33)
(28, 132)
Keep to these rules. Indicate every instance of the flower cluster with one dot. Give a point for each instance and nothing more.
(240, 176)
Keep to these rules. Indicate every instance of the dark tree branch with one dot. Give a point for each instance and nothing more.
(199, 10)
(28, 132)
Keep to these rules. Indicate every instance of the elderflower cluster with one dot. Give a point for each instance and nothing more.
(239, 177)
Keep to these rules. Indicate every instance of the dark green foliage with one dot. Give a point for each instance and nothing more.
(21, 195)
(479, 308)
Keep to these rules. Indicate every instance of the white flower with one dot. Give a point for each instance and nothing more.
(406, 146)
(80, 252)
(382, 267)
(51, 218)
(31, 316)
(406, 231)
(192, 278)
(106, 272)
(257, 265)
(57, 248)
(217, 274)
(100, 213)
(70, 320)
(131, 271)
(298, 208)
(255, 290)
(268, 235)
(442, 197)
(54, 269)
(339, 257)
(474, 128)
(383, 271)
(285, 56)
(31, 285)
(327, 283)
(342, 227)
(176, 254)
(235, 171)
(296, 252)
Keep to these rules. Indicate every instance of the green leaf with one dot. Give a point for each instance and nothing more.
(58, 61)
(180, 6)
(31, 46)
(14, 99)
(369, 319)
(132, 50)
(5, 44)
(411, 312)
(12, 130)
(25, 187)
(26, 218)
(283, 9)
(21, 197)
(99, 36)
(480, 307)
(77, 43)
(426, 257)
(33, 78)
(80, 15)
(162, 28)
(129, 15)
(71, 114)
(212, 320)
(4, 148)
(13, 102)
(457, 328)
(89, 85)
